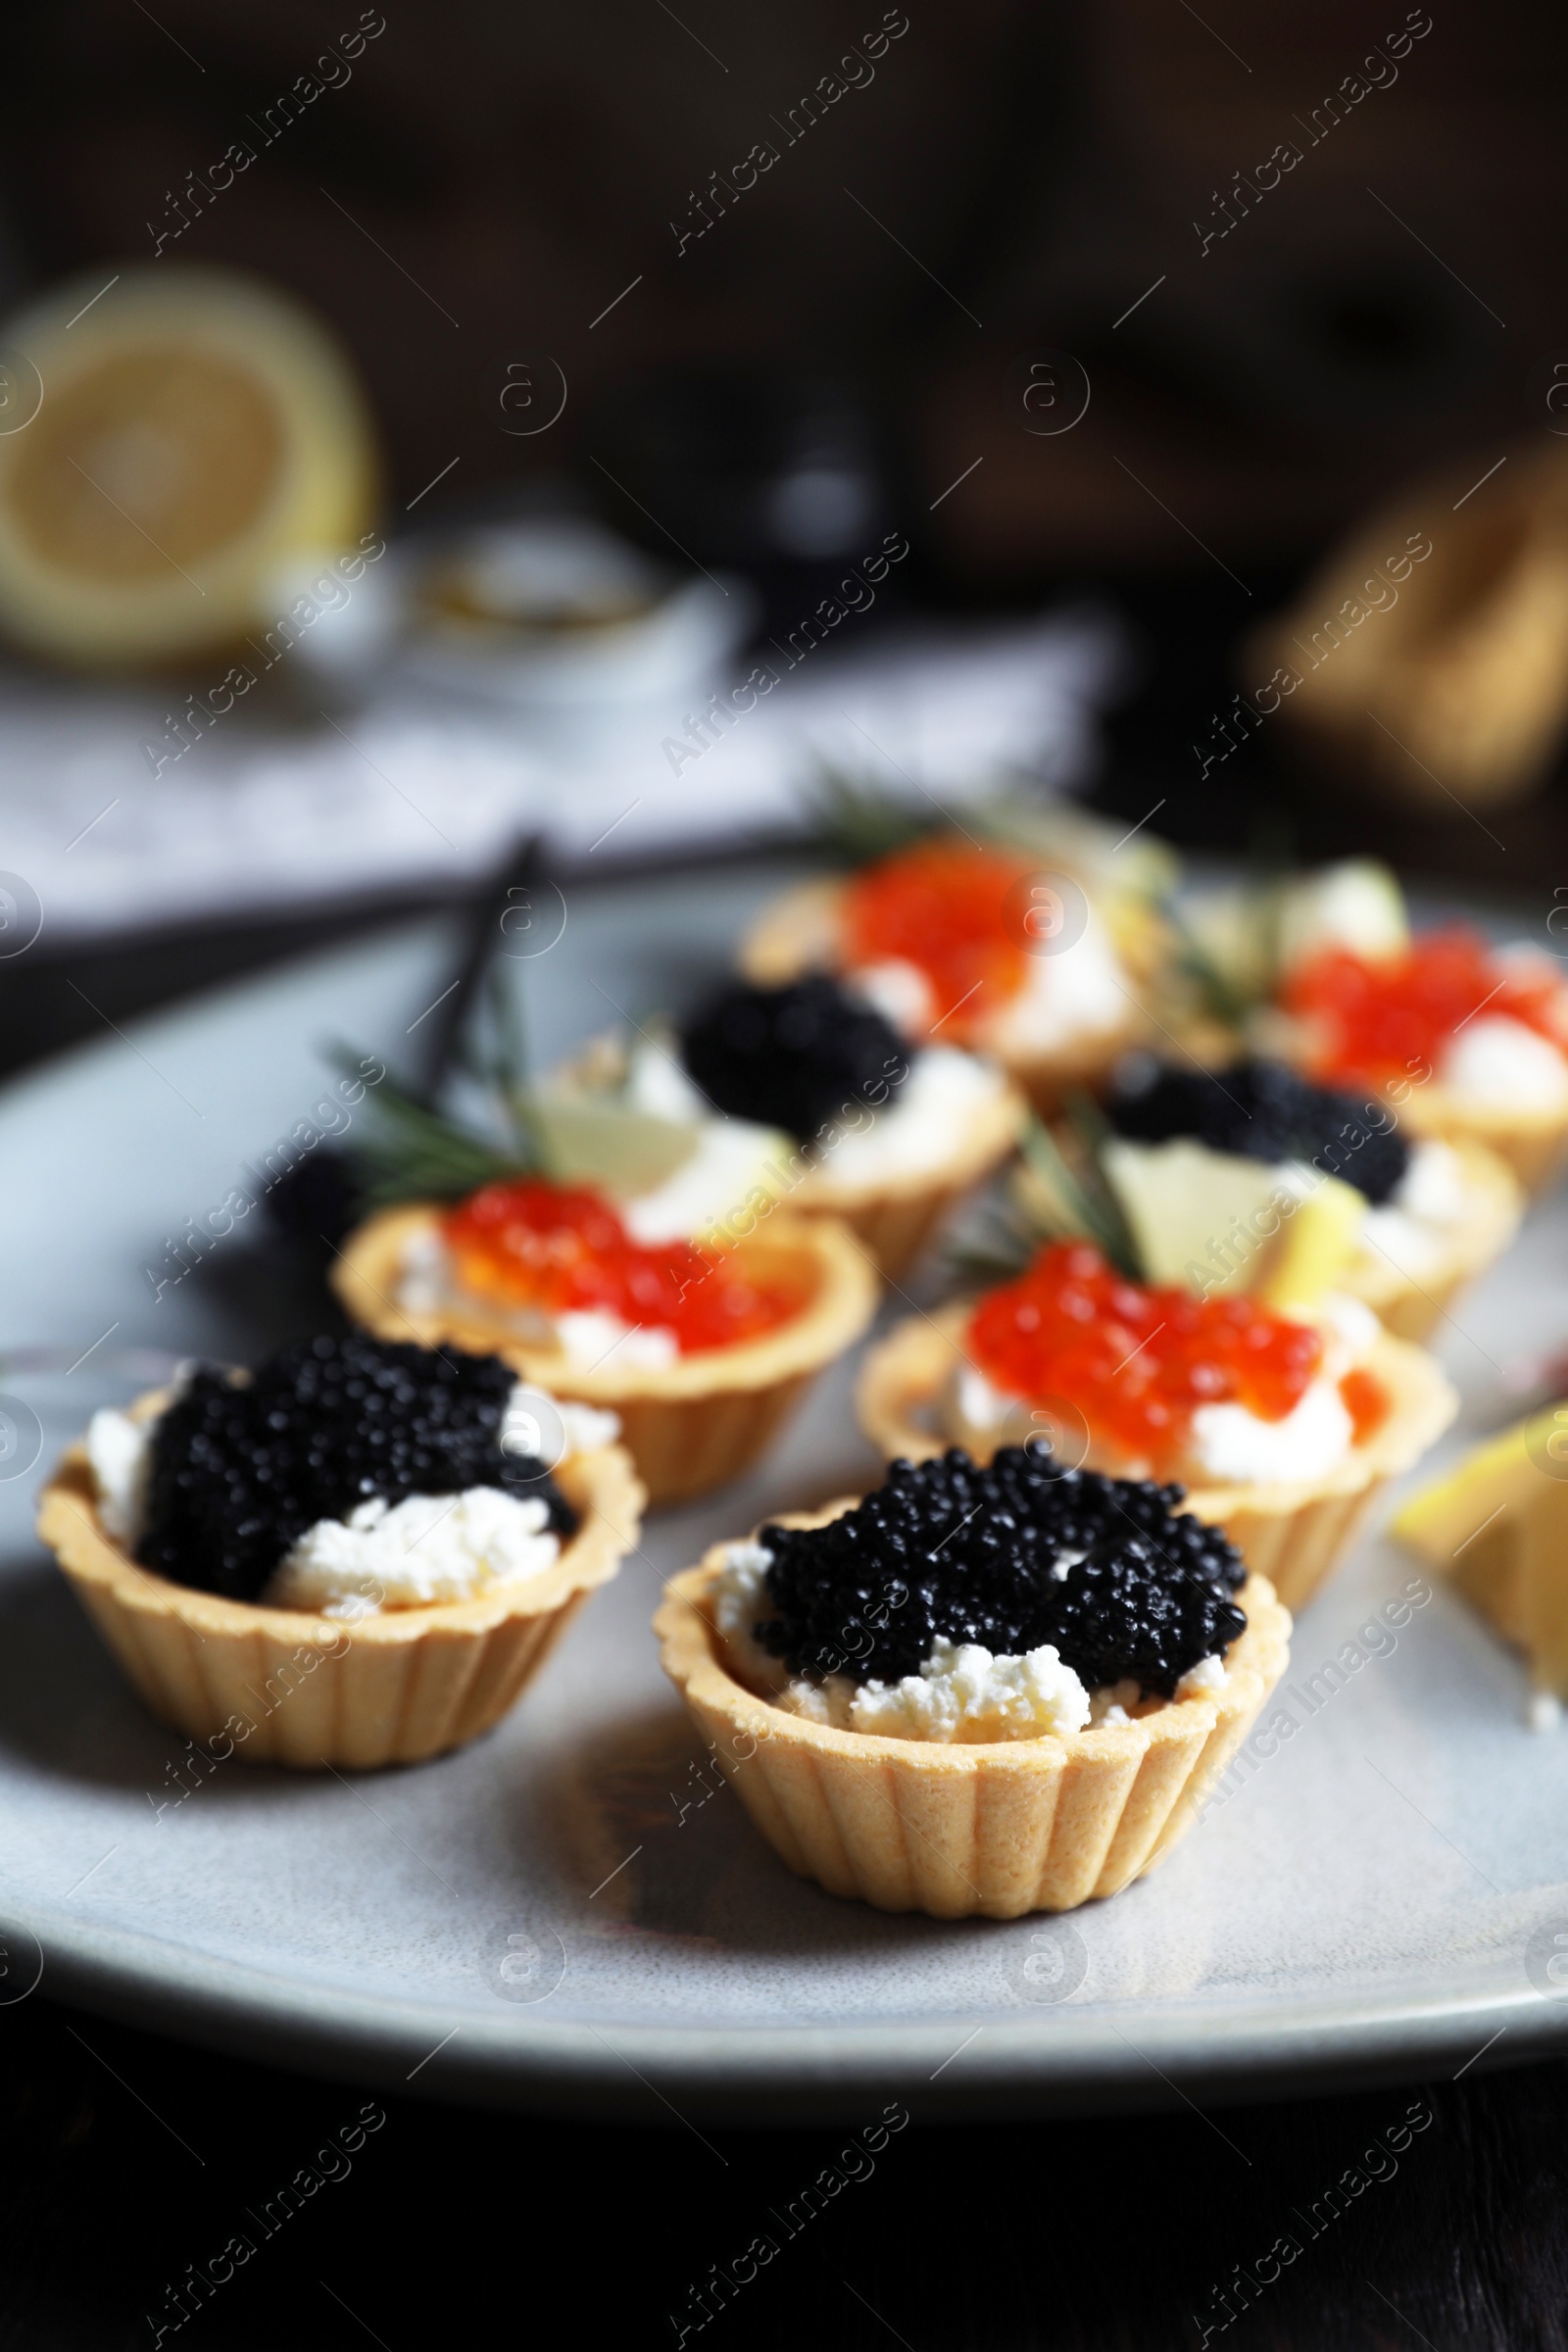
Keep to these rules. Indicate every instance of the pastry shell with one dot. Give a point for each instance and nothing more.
(1291, 1532)
(898, 1215)
(954, 1829)
(394, 1687)
(799, 933)
(689, 1426)
(1412, 1309)
(1534, 1144)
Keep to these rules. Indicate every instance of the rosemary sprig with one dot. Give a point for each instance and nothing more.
(414, 1153)
(1060, 1199)
(856, 820)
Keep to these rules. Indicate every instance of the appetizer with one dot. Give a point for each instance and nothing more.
(354, 1555)
(1283, 1427)
(977, 944)
(849, 1120)
(1253, 1178)
(977, 1690)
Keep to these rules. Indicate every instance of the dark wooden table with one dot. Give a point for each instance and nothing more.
(145, 2180)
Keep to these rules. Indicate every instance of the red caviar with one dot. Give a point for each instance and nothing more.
(941, 906)
(564, 1248)
(1136, 1362)
(1386, 1019)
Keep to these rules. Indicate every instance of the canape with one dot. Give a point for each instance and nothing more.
(702, 1349)
(848, 1119)
(349, 1557)
(979, 946)
(1252, 1177)
(1283, 1428)
(978, 1690)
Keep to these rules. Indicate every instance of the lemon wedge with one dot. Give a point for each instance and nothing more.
(1313, 1246)
(197, 435)
(1499, 1526)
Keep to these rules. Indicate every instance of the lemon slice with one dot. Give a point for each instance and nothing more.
(1313, 1247)
(1499, 1526)
(198, 434)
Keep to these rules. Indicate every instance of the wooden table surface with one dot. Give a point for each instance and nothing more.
(146, 2180)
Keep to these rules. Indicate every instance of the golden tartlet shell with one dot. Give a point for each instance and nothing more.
(956, 1830)
(1294, 1534)
(390, 1689)
(689, 1426)
(1412, 1309)
(898, 1215)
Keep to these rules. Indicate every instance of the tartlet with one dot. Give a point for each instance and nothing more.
(689, 1424)
(355, 1685)
(1467, 1041)
(1293, 1530)
(945, 936)
(849, 1120)
(1193, 1155)
(995, 1826)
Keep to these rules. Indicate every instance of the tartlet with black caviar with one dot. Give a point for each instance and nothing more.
(356, 1555)
(976, 1691)
(1254, 1177)
(1283, 1427)
(848, 1118)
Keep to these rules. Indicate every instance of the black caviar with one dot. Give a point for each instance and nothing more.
(946, 1548)
(793, 1057)
(1263, 1110)
(241, 1469)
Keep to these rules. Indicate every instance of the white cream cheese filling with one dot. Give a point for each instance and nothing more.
(962, 1692)
(1228, 1445)
(1080, 992)
(423, 1550)
(918, 1132)
(1428, 1207)
(412, 1555)
(1499, 1063)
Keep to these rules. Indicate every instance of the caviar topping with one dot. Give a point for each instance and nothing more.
(941, 906)
(793, 1056)
(1263, 1110)
(241, 1468)
(563, 1250)
(1386, 1019)
(946, 1549)
(1136, 1363)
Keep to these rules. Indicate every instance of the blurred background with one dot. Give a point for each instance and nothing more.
(951, 393)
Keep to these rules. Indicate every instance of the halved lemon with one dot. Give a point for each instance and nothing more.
(198, 432)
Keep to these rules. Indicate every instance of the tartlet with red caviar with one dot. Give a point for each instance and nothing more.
(1281, 1427)
(978, 1690)
(1469, 1040)
(352, 1556)
(703, 1348)
(980, 946)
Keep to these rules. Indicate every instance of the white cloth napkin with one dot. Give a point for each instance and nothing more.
(415, 789)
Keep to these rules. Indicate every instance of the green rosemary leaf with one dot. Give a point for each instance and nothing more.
(856, 820)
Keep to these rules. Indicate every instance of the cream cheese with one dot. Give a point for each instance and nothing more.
(421, 1550)
(413, 1553)
(1499, 1064)
(918, 1131)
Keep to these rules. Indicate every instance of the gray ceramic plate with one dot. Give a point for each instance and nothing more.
(573, 1911)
